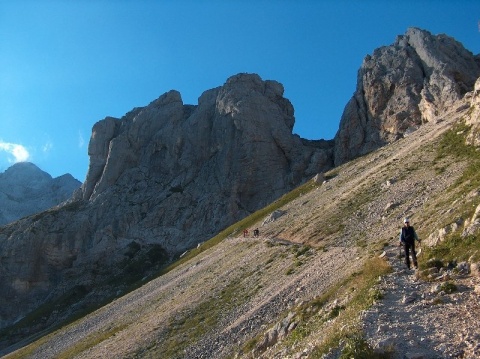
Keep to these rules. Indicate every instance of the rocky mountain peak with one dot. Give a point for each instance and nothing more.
(401, 86)
(25, 173)
(25, 189)
(246, 117)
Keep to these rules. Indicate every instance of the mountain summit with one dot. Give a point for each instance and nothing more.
(25, 189)
(402, 86)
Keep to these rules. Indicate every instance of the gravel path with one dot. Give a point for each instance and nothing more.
(416, 319)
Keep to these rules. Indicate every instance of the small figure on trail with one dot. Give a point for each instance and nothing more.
(245, 233)
(256, 232)
(407, 240)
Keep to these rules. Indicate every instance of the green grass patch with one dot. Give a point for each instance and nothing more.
(299, 251)
(290, 271)
(339, 324)
(358, 348)
(185, 329)
(363, 297)
(451, 149)
(89, 342)
(453, 248)
(448, 287)
(86, 343)
(453, 144)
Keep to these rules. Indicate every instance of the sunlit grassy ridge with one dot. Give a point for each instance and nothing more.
(461, 199)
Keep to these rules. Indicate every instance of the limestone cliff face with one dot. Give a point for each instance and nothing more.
(161, 179)
(473, 120)
(238, 141)
(401, 86)
(183, 172)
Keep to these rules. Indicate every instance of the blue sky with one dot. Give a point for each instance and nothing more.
(65, 65)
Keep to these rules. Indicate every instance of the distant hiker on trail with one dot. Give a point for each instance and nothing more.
(407, 240)
(256, 232)
(245, 233)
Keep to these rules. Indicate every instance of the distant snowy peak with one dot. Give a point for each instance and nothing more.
(25, 189)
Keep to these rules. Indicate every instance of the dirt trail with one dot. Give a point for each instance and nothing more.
(416, 319)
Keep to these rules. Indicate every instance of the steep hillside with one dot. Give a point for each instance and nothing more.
(311, 283)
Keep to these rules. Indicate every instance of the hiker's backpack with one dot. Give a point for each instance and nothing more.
(408, 234)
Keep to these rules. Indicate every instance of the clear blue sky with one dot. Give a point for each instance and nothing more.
(65, 65)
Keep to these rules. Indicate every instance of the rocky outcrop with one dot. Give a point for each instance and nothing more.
(25, 189)
(238, 138)
(473, 119)
(161, 179)
(401, 86)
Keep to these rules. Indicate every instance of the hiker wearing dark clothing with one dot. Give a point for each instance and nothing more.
(256, 232)
(408, 236)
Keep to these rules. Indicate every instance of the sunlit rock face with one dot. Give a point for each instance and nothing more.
(401, 86)
(181, 172)
(473, 120)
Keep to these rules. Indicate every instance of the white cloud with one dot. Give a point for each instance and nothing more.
(47, 147)
(19, 152)
(81, 141)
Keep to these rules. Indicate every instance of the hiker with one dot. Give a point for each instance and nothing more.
(256, 232)
(407, 240)
(245, 233)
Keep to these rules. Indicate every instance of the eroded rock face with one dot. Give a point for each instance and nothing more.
(191, 170)
(473, 120)
(161, 179)
(401, 86)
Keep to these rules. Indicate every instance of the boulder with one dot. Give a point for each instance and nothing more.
(272, 217)
(319, 178)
